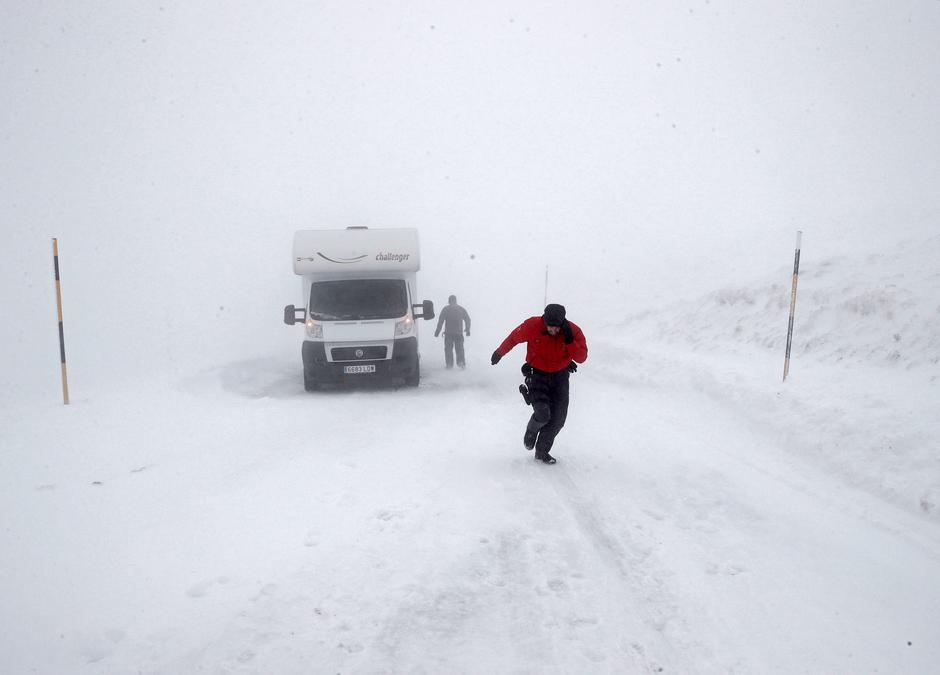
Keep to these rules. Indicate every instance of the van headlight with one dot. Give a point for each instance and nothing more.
(314, 329)
(403, 327)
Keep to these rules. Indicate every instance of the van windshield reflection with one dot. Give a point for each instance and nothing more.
(350, 299)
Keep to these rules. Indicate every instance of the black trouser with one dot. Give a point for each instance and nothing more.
(452, 341)
(549, 396)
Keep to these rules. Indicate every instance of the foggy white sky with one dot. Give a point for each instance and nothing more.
(640, 151)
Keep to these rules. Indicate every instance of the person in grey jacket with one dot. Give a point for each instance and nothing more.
(452, 318)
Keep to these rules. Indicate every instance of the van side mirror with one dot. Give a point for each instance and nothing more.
(427, 310)
(290, 315)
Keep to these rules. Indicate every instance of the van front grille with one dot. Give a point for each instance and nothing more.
(373, 353)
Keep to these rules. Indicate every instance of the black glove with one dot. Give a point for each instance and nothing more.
(527, 370)
(494, 359)
(572, 367)
(569, 335)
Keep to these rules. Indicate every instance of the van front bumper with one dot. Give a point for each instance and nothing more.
(401, 365)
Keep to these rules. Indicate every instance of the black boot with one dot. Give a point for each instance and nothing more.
(528, 440)
(545, 457)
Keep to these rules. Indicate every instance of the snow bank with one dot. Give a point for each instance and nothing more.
(861, 396)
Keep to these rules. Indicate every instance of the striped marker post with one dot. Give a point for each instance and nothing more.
(58, 300)
(546, 286)
(796, 274)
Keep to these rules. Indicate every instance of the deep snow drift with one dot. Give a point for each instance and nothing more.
(866, 363)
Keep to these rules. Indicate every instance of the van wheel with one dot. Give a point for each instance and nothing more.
(310, 384)
(415, 377)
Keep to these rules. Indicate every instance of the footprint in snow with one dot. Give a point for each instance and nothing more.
(100, 646)
(201, 589)
(582, 621)
(726, 570)
(558, 585)
(592, 655)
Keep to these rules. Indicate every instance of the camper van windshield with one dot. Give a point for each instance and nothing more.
(350, 299)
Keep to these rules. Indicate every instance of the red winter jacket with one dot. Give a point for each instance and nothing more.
(546, 352)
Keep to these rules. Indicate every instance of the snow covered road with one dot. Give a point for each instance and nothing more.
(204, 528)
(647, 165)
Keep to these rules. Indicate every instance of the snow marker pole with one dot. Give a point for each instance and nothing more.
(546, 286)
(58, 300)
(796, 274)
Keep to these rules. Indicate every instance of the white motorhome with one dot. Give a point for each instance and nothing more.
(359, 311)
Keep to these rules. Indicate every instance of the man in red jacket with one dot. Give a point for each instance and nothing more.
(553, 345)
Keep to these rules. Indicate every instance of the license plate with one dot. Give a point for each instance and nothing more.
(350, 370)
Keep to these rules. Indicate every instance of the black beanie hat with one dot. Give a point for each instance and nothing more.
(554, 315)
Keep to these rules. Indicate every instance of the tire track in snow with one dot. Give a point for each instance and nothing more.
(628, 565)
